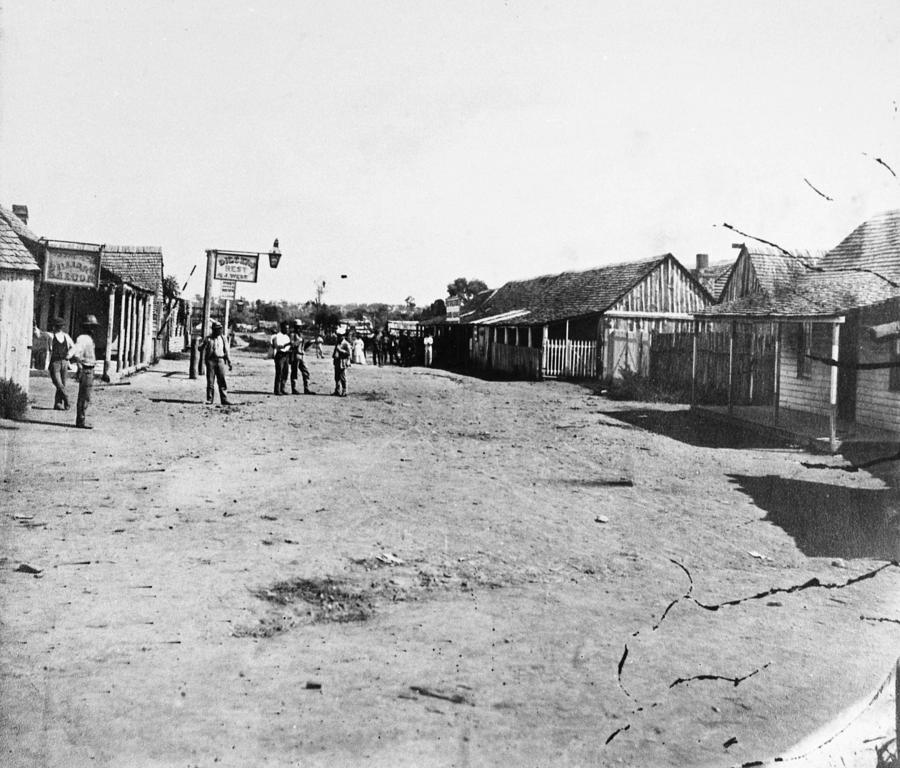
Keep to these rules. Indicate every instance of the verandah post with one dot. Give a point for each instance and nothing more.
(731, 367)
(777, 371)
(695, 328)
(832, 393)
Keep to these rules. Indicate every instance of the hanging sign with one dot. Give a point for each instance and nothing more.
(72, 266)
(242, 267)
(227, 290)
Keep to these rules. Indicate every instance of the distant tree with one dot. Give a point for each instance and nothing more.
(170, 288)
(327, 318)
(436, 309)
(465, 288)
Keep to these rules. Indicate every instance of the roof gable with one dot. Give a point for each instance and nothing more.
(873, 245)
(549, 298)
(14, 236)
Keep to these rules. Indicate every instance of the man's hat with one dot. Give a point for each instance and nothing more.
(341, 330)
(58, 321)
(215, 324)
(90, 320)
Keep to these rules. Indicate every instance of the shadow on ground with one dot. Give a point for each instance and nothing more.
(686, 427)
(828, 520)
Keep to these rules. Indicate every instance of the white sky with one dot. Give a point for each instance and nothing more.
(408, 143)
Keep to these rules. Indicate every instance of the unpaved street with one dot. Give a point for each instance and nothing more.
(434, 571)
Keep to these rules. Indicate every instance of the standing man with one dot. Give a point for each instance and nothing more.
(319, 342)
(60, 344)
(297, 361)
(215, 350)
(281, 346)
(428, 341)
(84, 353)
(341, 359)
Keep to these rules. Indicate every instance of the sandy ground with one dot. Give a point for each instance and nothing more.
(434, 571)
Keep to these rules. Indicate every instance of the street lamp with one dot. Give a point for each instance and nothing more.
(274, 255)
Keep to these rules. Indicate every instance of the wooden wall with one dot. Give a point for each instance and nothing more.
(812, 394)
(742, 281)
(16, 325)
(876, 404)
(668, 288)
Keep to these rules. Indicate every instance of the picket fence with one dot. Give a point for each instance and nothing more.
(570, 359)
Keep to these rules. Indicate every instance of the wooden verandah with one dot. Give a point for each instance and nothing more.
(753, 392)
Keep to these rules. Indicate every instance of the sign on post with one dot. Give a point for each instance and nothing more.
(72, 266)
(242, 267)
(227, 290)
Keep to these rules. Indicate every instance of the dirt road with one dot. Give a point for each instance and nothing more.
(434, 571)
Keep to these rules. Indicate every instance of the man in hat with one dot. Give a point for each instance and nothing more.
(297, 361)
(281, 348)
(215, 351)
(59, 344)
(341, 359)
(84, 353)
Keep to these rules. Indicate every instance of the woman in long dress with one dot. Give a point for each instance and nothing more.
(359, 351)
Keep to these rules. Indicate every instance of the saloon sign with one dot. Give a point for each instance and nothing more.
(80, 267)
(236, 266)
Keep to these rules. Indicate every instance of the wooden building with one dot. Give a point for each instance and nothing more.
(762, 269)
(834, 325)
(126, 298)
(593, 323)
(19, 272)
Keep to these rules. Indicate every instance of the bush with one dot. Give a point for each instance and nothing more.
(13, 400)
(636, 386)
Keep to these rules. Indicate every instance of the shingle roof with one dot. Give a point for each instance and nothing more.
(140, 266)
(873, 245)
(863, 269)
(774, 268)
(714, 277)
(13, 238)
(569, 294)
(824, 294)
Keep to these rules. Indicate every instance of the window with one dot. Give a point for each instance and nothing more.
(804, 350)
(894, 373)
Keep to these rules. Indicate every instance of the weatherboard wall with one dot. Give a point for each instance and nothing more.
(805, 394)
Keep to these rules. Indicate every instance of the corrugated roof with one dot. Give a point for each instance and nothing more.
(140, 266)
(549, 298)
(13, 238)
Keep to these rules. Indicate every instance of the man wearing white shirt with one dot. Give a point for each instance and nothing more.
(85, 354)
(281, 346)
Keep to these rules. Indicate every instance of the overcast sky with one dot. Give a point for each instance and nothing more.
(407, 143)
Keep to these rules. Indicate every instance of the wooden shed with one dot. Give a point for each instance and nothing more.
(592, 323)
(834, 326)
(18, 272)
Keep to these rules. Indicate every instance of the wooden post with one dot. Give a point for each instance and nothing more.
(107, 355)
(121, 339)
(192, 371)
(225, 323)
(544, 341)
(567, 359)
(139, 338)
(897, 707)
(207, 292)
(695, 333)
(777, 372)
(832, 394)
(731, 367)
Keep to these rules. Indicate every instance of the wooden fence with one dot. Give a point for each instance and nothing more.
(753, 364)
(570, 359)
(626, 351)
(523, 362)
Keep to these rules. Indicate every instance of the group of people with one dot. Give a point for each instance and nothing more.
(80, 353)
(288, 351)
(399, 350)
